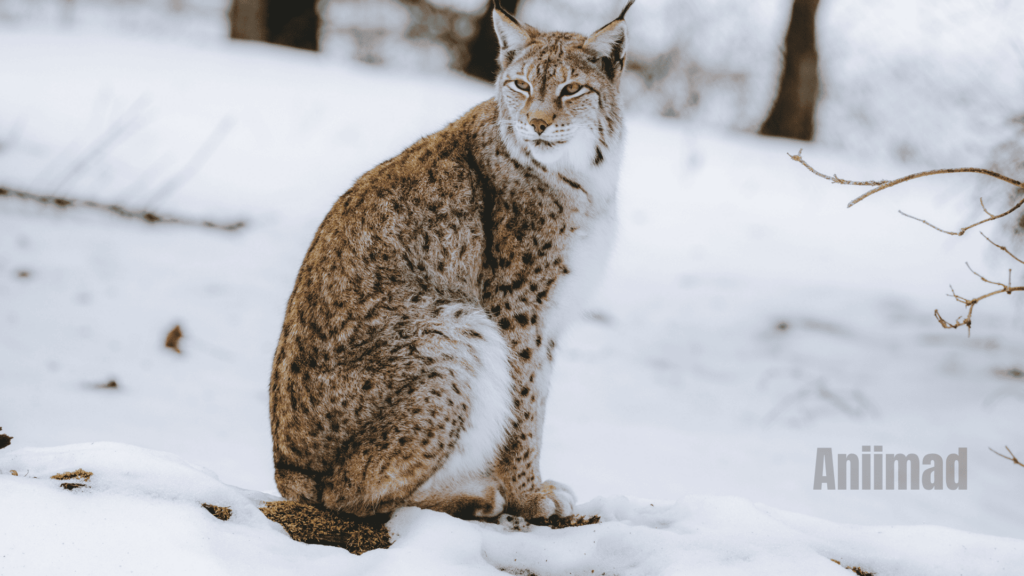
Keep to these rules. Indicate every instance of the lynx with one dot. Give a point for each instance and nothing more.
(414, 362)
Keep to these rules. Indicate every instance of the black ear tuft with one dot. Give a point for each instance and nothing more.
(622, 15)
(609, 44)
(511, 35)
(497, 6)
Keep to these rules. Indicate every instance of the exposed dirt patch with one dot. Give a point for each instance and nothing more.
(74, 475)
(312, 525)
(221, 512)
(566, 521)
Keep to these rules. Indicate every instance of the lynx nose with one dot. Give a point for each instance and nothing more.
(539, 125)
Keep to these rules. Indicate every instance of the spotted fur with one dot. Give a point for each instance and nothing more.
(414, 362)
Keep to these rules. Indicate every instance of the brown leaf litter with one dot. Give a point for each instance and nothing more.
(173, 337)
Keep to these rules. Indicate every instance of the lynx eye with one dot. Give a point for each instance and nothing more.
(522, 85)
(571, 89)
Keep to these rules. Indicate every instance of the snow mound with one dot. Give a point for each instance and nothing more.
(141, 512)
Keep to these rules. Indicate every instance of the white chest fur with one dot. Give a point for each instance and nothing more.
(590, 244)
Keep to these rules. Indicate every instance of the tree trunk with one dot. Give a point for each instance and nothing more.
(792, 116)
(289, 22)
(483, 48)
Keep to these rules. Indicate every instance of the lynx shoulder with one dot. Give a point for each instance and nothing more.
(414, 362)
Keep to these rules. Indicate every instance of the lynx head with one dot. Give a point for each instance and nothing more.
(558, 92)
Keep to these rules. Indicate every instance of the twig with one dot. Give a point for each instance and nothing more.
(121, 126)
(970, 303)
(1003, 248)
(194, 163)
(929, 224)
(65, 202)
(985, 210)
(1011, 457)
(979, 223)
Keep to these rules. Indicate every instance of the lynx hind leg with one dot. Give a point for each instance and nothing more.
(294, 485)
(443, 425)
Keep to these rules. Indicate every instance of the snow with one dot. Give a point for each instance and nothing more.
(141, 512)
(680, 412)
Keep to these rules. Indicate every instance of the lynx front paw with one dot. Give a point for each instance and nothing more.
(513, 523)
(553, 499)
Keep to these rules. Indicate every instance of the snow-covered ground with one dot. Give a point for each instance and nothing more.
(747, 319)
(141, 514)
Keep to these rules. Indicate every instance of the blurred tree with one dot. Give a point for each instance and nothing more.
(469, 38)
(483, 48)
(792, 116)
(288, 22)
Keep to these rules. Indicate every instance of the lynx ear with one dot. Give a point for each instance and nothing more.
(610, 44)
(512, 35)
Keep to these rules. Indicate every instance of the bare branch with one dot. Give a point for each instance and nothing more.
(982, 200)
(960, 320)
(833, 178)
(1003, 248)
(966, 228)
(891, 183)
(1007, 288)
(983, 279)
(880, 185)
(152, 217)
(929, 224)
(883, 184)
(1011, 457)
